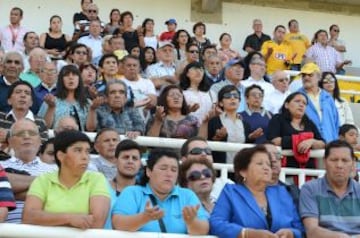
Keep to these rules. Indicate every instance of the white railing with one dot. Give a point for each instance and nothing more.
(8, 230)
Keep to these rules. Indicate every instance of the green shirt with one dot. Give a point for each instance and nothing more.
(59, 199)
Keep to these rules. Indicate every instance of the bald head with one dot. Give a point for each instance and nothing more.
(280, 80)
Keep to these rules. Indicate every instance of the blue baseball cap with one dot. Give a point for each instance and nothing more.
(171, 21)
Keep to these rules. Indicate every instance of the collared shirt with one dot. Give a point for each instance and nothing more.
(160, 69)
(136, 197)
(275, 100)
(215, 88)
(255, 42)
(34, 167)
(31, 77)
(7, 35)
(41, 90)
(318, 200)
(266, 86)
(326, 57)
(128, 120)
(104, 166)
(257, 119)
(315, 99)
(94, 43)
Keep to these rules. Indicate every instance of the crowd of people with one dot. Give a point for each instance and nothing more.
(114, 78)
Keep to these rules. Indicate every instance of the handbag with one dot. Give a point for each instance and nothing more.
(301, 158)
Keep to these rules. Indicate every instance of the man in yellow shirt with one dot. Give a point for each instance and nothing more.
(298, 42)
(277, 53)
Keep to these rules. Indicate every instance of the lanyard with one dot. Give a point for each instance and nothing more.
(14, 34)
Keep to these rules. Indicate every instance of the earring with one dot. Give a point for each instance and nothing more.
(244, 179)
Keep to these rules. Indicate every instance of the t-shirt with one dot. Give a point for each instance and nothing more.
(281, 53)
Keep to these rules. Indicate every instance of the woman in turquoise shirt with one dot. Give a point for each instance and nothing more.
(158, 204)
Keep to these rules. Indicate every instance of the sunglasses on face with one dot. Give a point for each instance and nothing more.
(9, 61)
(81, 52)
(92, 11)
(328, 80)
(199, 151)
(231, 95)
(196, 175)
(194, 51)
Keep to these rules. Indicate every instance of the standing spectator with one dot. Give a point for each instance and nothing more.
(339, 45)
(254, 55)
(150, 38)
(254, 41)
(168, 35)
(299, 43)
(80, 17)
(180, 40)
(12, 67)
(277, 52)
(92, 14)
(324, 55)
(114, 23)
(321, 107)
(7, 199)
(37, 59)
(55, 41)
(225, 52)
(131, 36)
(31, 41)
(70, 99)
(276, 98)
(199, 30)
(12, 35)
(94, 39)
(329, 83)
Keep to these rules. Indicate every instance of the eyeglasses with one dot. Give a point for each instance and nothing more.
(231, 95)
(175, 95)
(336, 30)
(49, 71)
(194, 51)
(196, 175)
(80, 52)
(92, 11)
(328, 80)
(260, 95)
(199, 151)
(9, 61)
(282, 80)
(24, 133)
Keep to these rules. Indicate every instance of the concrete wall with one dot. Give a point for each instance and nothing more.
(236, 18)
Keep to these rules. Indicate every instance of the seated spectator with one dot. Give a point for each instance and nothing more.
(350, 134)
(65, 123)
(24, 166)
(180, 40)
(158, 204)
(48, 76)
(196, 90)
(214, 72)
(2, 54)
(171, 118)
(197, 148)
(252, 56)
(199, 176)
(251, 208)
(78, 54)
(117, 44)
(163, 72)
(280, 80)
(93, 40)
(228, 126)
(114, 23)
(131, 35)
(21, 97)
(89, 75)
(46, 152)
(7, 200)
(192, 55)
(128, 165)
(207, 51)
(135, 51)
(12, 67)
(37, 59)
(254, 41)
(225, 51)
(105, 144)
(31, 41)
(329, 205)
(108, 70)
(199, 30)
(329, 83)
(106, 48)
(291, 121)
(168, 35)
(255, 115)
(150, 39)
(54, 42)
(72, 196)
(70, 99)
(115, 113)
(147, 58)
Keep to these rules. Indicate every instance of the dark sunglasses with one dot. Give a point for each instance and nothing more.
(196, 175)
(9, 61)
(328, 80)
(92, 11)
(194, 51)
(231, 95)
(199, 151)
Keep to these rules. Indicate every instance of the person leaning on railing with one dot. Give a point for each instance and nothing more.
(251, 208)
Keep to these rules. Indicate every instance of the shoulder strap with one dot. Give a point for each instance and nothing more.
(161, 222)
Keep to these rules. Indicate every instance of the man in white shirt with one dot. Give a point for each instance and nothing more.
(94, 39)
(280, 81)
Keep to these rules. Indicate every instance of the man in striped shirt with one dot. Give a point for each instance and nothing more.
(7, 200)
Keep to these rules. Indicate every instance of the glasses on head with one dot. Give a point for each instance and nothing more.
(259, 95)
(328, 80)
(24, 133)
(231, 95)
(196, 175)
(199, 151)
(194, 51)
(92, 11)
(80, 52)
(9, 61)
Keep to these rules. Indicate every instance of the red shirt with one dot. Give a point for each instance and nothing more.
(167, 35)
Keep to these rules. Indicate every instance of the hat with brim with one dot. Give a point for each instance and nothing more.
(309, 68)
(171, 21)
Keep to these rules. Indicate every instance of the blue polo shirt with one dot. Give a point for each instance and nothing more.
(342, 214)
(132, 201)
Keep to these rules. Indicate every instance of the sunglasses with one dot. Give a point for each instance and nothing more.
(196, 175)
(199, 151)
(92, 11)
(17, 62)
(231, 95)
(194, 51)
(336, 30)
(81, 52)
(328, 80)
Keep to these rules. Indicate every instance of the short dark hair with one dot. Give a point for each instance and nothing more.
(286, 113)
(185, 166)
(279, 26)
(188, 46)
(291, 21)
(185, 147)
(345, 128)
(163, 102)
(248, 89)
(196, 25)
(227, 89)
(244, 157)
(82, 1)
(223, 35)
(154, 156)
(27, 34)
(21, 82)
(45, 144)
(124, 14)
(185, 81)
(338, 144)
(125, 145)
(102, 131)
(106, 56)
(67, 138)
(18, 9)
(332, 26)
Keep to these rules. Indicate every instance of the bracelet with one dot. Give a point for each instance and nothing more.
(243, 233)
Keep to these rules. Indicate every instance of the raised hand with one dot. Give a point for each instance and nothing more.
(152, 213)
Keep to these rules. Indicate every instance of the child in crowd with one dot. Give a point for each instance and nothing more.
(350, 134)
